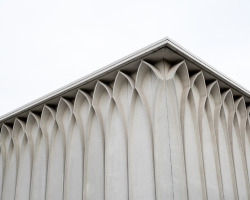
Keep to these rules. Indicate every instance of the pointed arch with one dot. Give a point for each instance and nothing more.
(55, 163)
(63, 117)
(227, 172)
(179, 73)
(241, 112)
(143, 69)
(192, 104)
(101, 100)
(242, 184)
(198, 85)
(122, 93)
(116, 172)
(229, 107)
(148, 79)
(177, 85)
(82, 106)
(154, 92)
(226, 155)
(73, 181)
(141, 164)
(94, 166)
(47, 123)
(38, 157)
(24, 166)
(18, 135)
(209, 142)
(10, 171)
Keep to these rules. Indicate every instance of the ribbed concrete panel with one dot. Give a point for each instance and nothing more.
(155, 131)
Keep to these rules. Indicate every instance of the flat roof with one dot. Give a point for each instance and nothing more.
(157, 49)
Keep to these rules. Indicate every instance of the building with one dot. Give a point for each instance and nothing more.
(157, 124)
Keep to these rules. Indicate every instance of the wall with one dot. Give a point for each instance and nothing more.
(159, 133)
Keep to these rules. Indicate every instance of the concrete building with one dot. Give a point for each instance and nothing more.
(158, 124)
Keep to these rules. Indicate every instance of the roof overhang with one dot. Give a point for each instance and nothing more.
(162, 49)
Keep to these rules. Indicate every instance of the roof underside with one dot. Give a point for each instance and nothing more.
(164, 49)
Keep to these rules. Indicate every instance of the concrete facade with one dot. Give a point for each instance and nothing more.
(159, 124)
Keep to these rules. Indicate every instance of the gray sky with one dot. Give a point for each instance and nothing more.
(46, 44)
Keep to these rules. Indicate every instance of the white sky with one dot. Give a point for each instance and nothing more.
(46, 44)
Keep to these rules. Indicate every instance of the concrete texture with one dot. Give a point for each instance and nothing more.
(155, 131)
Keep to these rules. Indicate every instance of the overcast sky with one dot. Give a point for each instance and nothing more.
(46, 44)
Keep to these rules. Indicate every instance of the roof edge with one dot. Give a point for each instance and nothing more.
(165, 42)
(207, 67)
(97, 73)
